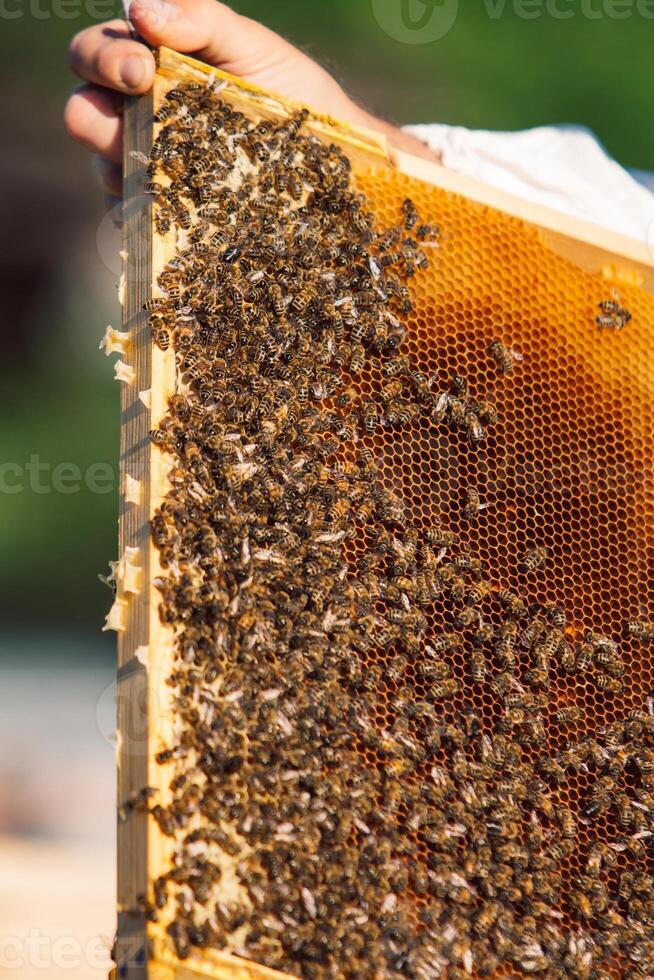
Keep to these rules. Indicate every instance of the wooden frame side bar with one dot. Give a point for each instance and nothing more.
(134, 532)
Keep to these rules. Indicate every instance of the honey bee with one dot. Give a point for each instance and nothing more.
(161, 337)
(159, 437)
(548, 644)
(568, 714)
(296, 122)
(533, 632)
(582, 904)
(428, 233)
(465, 562)
(396, 366)
(505, 645)
(480, 591)
(644, 760)
(478, 667)
(160, 892)
(484, 411)
(419, 878)
(475, 429)
(567, 656)
(179, 933)
(551, 769)
(370, 417)
(275, 292)
(444, 643)
(389, 259)
(410, 214)
(390, 238)
(440, 537)
(358, 359)
(584, 657)
(456, 588)
(467, 617)
(295, 185)
(231, 254)
(155, 305)
(484, 633)
(538, 677)
(640, 629)
(612, 685)
(503, 356)
(513, 604)
(164, 820)
(609, 662)
(472, 503)
(557, 616)
(534, 558)
(634, 846)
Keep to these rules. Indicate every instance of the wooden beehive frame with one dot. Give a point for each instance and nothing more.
(145, 646)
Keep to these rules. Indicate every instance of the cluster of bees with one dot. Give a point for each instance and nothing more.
(612, 315)
(313, 833)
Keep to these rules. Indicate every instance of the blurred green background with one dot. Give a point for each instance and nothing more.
(59, 402)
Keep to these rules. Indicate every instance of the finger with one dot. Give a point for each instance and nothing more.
(105, 54)
(212, 31)
(90, 117)
(110, 176)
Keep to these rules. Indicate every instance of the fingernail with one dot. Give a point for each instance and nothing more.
(132, 71)
(153, 14)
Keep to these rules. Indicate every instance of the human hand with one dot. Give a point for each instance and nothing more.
(111, 61)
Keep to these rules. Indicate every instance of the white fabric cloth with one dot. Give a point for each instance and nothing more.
(565, 169)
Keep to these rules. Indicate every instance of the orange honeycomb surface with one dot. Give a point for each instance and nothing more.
(568, 464)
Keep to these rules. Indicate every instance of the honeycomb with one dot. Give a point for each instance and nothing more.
(555, 501)
(569, 463)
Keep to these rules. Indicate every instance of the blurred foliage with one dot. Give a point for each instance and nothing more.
(496, 72)
(60, 428)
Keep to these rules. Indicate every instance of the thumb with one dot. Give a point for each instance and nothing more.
(213, 32)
